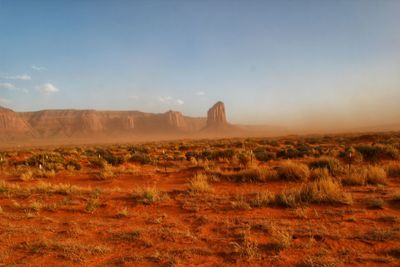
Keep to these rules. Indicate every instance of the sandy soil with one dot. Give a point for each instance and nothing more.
(107, 222)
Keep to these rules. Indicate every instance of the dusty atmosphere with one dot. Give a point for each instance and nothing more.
(199, 133)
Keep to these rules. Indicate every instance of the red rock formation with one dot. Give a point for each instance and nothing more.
(175, 120)
(94, 125)
(216, 116)
(12, 123)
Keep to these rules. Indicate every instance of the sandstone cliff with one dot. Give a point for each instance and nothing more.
(70, 124)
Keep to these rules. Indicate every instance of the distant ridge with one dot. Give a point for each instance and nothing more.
(71, 124)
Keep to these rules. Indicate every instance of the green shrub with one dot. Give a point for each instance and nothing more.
(263, 155)
(139, 149)
(108, 156)
(375, 153)
(140, 158)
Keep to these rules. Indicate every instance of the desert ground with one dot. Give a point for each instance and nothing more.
(329, 200)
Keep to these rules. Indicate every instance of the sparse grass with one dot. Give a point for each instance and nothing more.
(380, 235)
(97, 163)
(240, 203)
(333, 165)
(262, 199)
(26, 175)
(92, 205)
(68, 250)
(106, 173)
(221, 204)
(140, 158)
(320, 191)
(375, 175)
(123, 213)
(126, 236)
(324, 191)
(353, 179)
(291, 171)
(246, 248)
(253, 175)
(317, 261)
(45, 173)
(148, 195)
(319, 174)
(280, 238)
(199, 184)
(288, 198)
(41, 188)
(393, 169)
(35, 206)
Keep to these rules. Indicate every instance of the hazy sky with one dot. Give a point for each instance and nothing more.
(280, 62)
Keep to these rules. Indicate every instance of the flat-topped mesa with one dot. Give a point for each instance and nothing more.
(11, 122)
(216, 116)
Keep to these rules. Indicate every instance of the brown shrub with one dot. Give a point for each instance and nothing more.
(291, 171)
(324, 191)
(253, 175)
(393, 169)
(353, 179)
(375, 175)
(199, 184)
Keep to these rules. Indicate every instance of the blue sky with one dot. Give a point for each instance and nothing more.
(294, 62)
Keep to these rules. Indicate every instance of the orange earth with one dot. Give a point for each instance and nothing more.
(290, 201)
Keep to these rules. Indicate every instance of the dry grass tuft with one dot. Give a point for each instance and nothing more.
(106, 173)
(280, 238)
(291, 171)
(148, 195)
(42, 188)
(353, 179)
(324, 191)
(333, 165)
(247, 248)
(262, 199)
(375, 175)
(199, 184)
(319, 174)
(288, 198)
(26, 175)
(381, 235)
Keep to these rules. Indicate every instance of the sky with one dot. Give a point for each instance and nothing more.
(301, 63)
